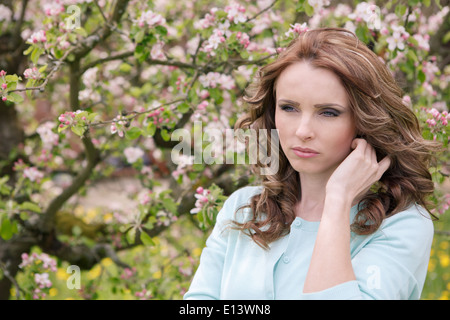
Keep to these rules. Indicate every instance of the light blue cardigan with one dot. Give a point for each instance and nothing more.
(389, 264)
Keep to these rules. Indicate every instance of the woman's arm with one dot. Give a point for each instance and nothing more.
(331, 261)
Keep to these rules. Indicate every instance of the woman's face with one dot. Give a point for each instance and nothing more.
(313, 118)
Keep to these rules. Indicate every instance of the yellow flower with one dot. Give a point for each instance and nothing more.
(431, 265)
(106, 262)
(197, 252)
(108, 217)
(444, 259)
(444, 295)
(78, 211)
(94, 272)
(91, 214)
(53, 292)
(443, 245)
(157, 275)
(62, 274)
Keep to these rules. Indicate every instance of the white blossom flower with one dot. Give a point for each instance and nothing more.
(133, 154)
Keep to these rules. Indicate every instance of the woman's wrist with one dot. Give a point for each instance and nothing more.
(337, 206)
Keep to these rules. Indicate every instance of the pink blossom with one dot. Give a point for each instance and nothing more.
(297, 29)
(128, 273)
(32, 73)
(133, 154)
(42, 280)
(317, 5)
(214, 41)
(407, 100)
(422, 41)
(48, 137)
(236, 13)
(37, 37)
(244, 38)
(203, 197)
(33, 174)
(215, 79)
(399, 35)
(157, 51)
(203, 105)
(431, 122)
(53, 8)
(206, 22)
(117, 126)
(67, 119)
(151, 19)
(26, 260)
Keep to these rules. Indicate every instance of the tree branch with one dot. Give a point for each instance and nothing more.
(110, 58)
(92, 156)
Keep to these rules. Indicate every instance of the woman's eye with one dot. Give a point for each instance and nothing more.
(330, 113)
(287, 108)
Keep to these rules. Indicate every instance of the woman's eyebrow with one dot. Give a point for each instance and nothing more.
(286, 101)
(319, 105)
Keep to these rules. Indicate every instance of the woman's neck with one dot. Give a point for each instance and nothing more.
(312, 198)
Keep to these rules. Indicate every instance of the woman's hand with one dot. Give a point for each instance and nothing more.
(356, 174)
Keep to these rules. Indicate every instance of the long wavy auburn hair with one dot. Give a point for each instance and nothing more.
(380, 116)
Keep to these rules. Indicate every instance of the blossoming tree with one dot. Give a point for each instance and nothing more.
(87, 83)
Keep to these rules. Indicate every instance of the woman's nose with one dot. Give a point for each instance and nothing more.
(305, 129)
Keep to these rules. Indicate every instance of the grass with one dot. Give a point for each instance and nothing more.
(437, 284)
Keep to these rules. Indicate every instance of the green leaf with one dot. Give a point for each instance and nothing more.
(35, 55)
(183, 107)
(421, 76)
(17, 98)
(62, 128)
(30, 206)
(139, 36)
(146, 239)
(131, 234)
(446, 38)
(92, 116)
(79, 131)
(161, 30)
(43, 68)
(151, 129)
(11, 78)
(165, 135)
(28, 51)
(6, 228)
(170, 205)
(308, 9)
(400, 10)
(133, 133)
(81, 31)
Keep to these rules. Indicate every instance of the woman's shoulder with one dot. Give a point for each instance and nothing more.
(244, 194)
(239, 198)
(414, 220)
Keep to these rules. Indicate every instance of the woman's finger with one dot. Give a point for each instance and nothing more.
(383, 165)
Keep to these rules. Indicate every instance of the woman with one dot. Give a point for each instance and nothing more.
(345, 216)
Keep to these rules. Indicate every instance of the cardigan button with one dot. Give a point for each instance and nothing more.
(297, 223)
(286, 259)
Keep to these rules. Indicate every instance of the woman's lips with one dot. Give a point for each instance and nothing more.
(304, 152)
